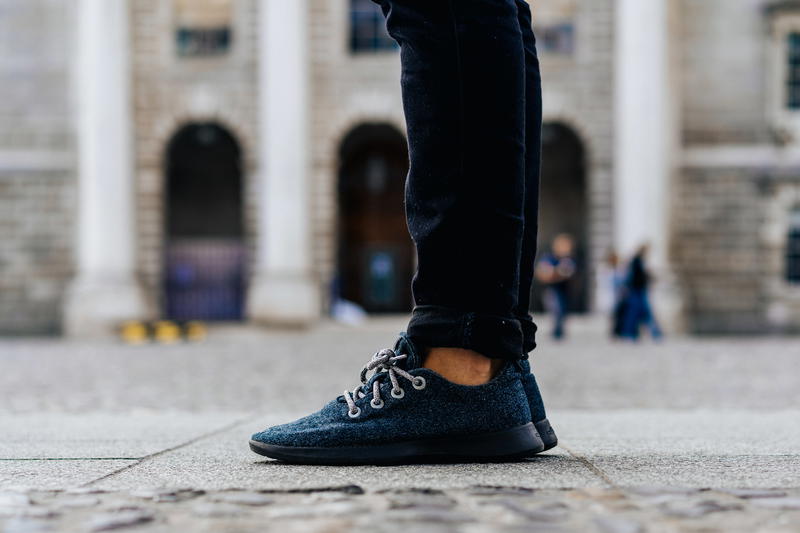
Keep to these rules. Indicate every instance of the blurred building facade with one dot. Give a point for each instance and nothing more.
(244, 159)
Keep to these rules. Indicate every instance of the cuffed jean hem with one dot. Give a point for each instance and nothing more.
(528, 334)
(493, 336)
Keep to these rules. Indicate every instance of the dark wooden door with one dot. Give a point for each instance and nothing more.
(376, 255)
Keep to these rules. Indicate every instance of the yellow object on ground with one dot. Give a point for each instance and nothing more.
(133, 332)
(195, 331)
(166, 332)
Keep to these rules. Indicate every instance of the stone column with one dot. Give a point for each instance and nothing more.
(283, 290)
(104, 291)
(647, 138)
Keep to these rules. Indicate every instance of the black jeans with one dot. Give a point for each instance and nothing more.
(472, 101)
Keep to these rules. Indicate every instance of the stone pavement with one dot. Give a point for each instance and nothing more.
(692, 435)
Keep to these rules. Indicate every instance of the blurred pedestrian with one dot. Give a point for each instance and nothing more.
(611, 277)
(636, 302)
(555, 270)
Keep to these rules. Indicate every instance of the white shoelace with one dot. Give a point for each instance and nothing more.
(384, 361)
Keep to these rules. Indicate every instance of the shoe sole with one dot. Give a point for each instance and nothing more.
(547, 434)
(514, 443)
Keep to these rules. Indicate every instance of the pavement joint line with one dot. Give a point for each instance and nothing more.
(189, 442)
(588, 464)
(71, 458)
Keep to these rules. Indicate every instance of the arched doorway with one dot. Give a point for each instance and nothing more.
(376, 255)
(564, 207)
(204, 252)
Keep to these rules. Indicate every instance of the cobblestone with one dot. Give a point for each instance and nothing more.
(788, 504)
(695, 509)
(118, 520)
(618, 525)
(603, 511)
(253, 499)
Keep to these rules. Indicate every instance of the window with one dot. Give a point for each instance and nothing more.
(783, 101)
(203, 27)
(793, 70)
(793, 247)
(557, 39)
(203, 42)
(368, 28)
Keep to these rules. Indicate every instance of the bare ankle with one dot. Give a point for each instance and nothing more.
(464, 367)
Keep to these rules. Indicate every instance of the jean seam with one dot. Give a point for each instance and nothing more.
(460, 76)
(469, 320)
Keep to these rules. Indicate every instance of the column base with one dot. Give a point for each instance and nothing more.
(666, 299)
(283, 300)
(95, 309)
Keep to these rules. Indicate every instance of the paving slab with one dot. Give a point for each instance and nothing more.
(224, 461)
(58, 474)
(700, 471)
(103, 435)
(704, 448)
(680, 431)
(626, 448)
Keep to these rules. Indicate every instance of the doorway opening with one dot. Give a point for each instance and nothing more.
(564, 207)
(376, 254)
(204, 273)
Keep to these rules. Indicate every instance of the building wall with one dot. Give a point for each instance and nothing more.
(169, 92)
(578, 91)
(347, 90)
(731, 195)
(716, 249)
(37, 179)
(738, 179)
(724, 71)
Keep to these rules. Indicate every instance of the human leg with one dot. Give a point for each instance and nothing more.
(562, 310)
(533, 127)
(533, 148)
(650, 317)
(464, 204)
(633, 315)
(463, 88)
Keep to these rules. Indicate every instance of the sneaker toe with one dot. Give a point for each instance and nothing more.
(293, 434)
(268, 436)
(312, 430)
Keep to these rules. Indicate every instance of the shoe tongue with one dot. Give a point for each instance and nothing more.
(404, 346)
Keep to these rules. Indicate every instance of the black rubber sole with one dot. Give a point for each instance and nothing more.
(514, 443)
(547, 434)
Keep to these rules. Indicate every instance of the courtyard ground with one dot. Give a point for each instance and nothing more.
(698, 434)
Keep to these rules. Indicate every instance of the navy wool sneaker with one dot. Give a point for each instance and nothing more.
(405, 413)
(536, 405)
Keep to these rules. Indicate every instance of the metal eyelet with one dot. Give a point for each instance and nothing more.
(376, 404)
(354, 414)
(398, 393)
(418, 383)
